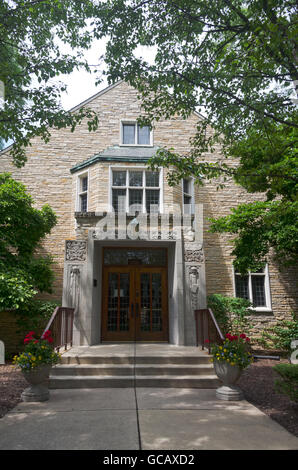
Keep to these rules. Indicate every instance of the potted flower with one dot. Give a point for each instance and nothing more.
(229, 360)
(35, 363)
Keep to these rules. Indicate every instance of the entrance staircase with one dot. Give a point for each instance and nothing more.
(143, 365)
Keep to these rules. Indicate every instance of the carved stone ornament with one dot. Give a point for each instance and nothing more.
(76, 250)
(194, 283)
(194, 256)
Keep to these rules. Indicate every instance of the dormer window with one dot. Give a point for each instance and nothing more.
(82, 201)
(134, 134)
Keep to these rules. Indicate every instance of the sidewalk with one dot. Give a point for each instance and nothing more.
(148, 419)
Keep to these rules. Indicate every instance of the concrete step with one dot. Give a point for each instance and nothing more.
(166, 381)
(200, 359)
(128, 370)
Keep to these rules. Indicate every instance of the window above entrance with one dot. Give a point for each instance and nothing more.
(132, 256)
(135, 190)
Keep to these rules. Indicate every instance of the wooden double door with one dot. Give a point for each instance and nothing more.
(135, 303)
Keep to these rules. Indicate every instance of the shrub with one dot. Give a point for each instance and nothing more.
(288, 384)
(281, 335)
(35, 315)
(230, 312)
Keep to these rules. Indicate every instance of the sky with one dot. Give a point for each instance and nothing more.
(81, 84)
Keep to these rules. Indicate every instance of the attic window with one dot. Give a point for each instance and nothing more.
(134, 134)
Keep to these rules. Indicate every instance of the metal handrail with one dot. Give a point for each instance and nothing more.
(61, 327)
(207, 328)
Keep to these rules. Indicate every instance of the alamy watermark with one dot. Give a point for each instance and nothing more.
(135, 224)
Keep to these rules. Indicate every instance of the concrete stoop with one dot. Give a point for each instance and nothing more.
(114, 372)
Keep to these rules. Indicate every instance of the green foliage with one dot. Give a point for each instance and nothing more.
(34, 36)
(35, 315)
(288, 384)
(230, 313)
(22, 227)
(235, 62)
(259, 226)
(281, 335)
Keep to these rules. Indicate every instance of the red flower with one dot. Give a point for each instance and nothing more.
(243, 336)
(247, 340)
(47, 336)
(207, 341)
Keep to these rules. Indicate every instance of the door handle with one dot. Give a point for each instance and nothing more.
(132, 310)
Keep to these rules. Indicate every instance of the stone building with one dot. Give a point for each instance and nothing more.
(134, 255)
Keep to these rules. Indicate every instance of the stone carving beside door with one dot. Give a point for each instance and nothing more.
(76, 250)
(74, 287)
(194, 256)
(194, 284)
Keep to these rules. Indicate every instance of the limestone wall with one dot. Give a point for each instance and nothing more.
(47, 177)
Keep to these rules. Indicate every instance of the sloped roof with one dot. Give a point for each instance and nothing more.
(136, 154)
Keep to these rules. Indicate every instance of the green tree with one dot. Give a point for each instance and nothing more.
(31, 33)
(236, 62)
(23, 272)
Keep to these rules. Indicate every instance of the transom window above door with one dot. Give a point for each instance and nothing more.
(136, 190)
(134, 134)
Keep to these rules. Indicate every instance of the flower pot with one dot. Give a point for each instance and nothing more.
(38, 380)
(229, 375)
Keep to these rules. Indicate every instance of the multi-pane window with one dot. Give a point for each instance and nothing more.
(134, 134)
(187, 195)
(135, 190)
(83, 193)
(255, 288)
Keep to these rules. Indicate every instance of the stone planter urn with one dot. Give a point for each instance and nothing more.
(229, 375)
(38, 380)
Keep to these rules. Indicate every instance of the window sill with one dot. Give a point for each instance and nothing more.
(261, 310)
(136, 145)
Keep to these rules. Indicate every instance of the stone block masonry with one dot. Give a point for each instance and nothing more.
(48, 179)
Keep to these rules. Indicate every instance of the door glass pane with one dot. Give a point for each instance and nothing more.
(119, 178)
(112, 302)
(128, 134)
(258, 291)
(124, 301)
(118, 302)
(143, 135)
(135, 178)
(242, 286)
(145, 302)
(119, 200)
(156, 302)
